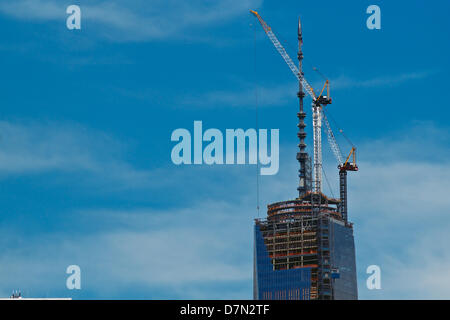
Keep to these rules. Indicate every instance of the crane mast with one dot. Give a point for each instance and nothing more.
(317, 139)
(343, 167)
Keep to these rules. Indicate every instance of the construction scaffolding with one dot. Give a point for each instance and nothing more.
(296, 236)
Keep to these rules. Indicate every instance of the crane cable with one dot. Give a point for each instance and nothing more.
(339, 128)
(256, 118)
(328, 183)
(330, 116)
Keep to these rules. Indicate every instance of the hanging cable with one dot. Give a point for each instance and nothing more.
(339, 128)
(256, 118)
(328, 183)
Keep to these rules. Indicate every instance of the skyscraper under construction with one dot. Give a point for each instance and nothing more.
(304, 249)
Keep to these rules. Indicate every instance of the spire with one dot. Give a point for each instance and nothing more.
(299, 31)
(302, 155)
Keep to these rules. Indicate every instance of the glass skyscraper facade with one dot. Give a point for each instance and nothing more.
(292, 284)
(304, 250)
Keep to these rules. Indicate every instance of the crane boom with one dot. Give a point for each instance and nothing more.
(285, 56)
(343, 166)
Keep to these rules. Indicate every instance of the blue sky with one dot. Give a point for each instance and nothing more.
(85, 125)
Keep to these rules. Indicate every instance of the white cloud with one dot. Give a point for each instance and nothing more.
(277, 95)
(398, 202)
(67, 153)
(344, 82)
(123, 20)
(29, 148)
(177, 250)
(267, 96)
(421, 272)
(33, 9)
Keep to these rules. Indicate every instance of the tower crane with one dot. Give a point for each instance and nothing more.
(343, 166)
(318, 103)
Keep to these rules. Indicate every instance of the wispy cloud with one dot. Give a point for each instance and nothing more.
(178, 250)
(76, 155)
(266, 96)
(276, 95)
(399, 204)
(421, 272)
(30, 148)
(344, 82)
(131, 20)
(33, 9)
(397, 200)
